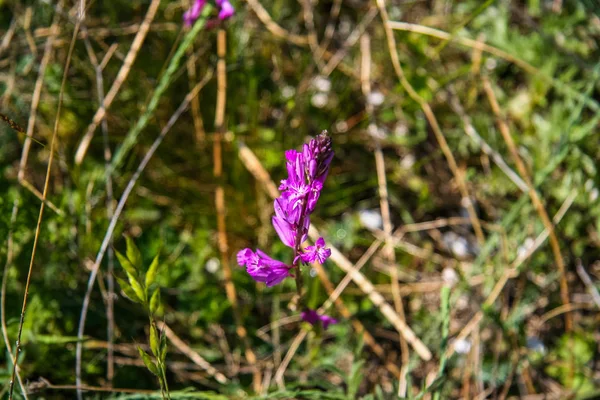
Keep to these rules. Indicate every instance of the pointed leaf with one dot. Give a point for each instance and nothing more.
(137, 287)
(127, 289)
(154, 345)
(148, 362)
(125, 263)
(163, 347)
(151, 273)
(133, 253)
(155, 301)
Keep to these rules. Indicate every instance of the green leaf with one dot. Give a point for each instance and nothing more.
(355, 378)
(128, 290)
(151, 273)
(137, 287)
(155, 301)
(126, 264)
(133, 253)
(154, 345)
(148, 362)
(163, 347)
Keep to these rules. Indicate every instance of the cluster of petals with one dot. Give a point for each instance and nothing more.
(307, 170)
(313, 318)
(263, 268)
(226, 10)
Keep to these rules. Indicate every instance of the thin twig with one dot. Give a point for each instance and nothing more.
(487, 149)
(389, 251)
(587, 281)
(273, 27)
(118, 82)
(220, 204)
(118, 210)
(110, 317)
(42, 207)
(190, 353)
(329, 29)
(9, 259)
(350, 41)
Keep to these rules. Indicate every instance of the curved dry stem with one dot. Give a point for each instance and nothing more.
(119, 80)
(9, 257)
(42, 207)
(435, 127)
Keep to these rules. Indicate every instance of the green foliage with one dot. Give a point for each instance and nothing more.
(552, 110)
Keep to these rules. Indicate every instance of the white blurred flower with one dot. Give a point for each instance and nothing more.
(371, 219)
(594, 195)
(322, 84)
(401, 129)
(375, 99)
(341, 126)
(212, 265)
(319, 100)
(462, 346)
(287, 92)
(458, 245)
(408, 161)
(524, 248)
(376, 131)
(450, 276)
(535, 344)
(490, 64)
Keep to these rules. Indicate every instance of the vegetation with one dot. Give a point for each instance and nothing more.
(461, 205)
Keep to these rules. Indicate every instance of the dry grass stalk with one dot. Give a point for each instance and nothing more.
(42, 207)
(118, 82)
(220, 205)
(273, 27)
(389, 251)
(190, 353)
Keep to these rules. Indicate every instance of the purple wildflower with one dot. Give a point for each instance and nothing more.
(194, 12)
(263, 268)
(307, 170)
(226, 10)
(312, 317)
(318, 252)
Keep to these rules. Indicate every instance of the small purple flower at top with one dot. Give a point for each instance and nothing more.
(263, 268)
(312, 317)
(318, 252)
(194, 12)
(226, 10)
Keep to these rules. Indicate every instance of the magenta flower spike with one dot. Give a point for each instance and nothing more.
(313, 318)
(307, 170)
